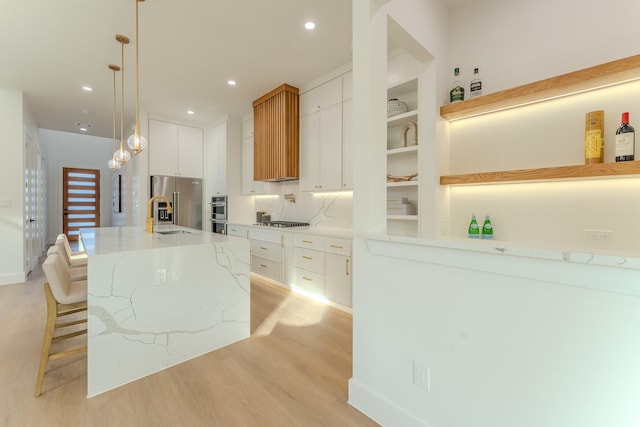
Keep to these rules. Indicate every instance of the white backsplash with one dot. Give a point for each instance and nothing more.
(333, 210)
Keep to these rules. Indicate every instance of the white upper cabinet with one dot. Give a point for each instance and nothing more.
(217, 159)
(321, 137)
(175, 150)
(249, 186)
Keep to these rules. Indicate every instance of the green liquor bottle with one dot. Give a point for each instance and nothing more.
(487, 229)
(456, 94)
(474, 230)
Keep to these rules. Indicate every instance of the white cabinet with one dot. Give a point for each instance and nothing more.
(347, 145)
(175, 150)
(249, 186)
(238, 231)
(322, 266)
(217, 159)
(267, 253)
(321, 137)
(338, 270)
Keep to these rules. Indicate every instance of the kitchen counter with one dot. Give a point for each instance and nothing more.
(344, 233)
(157, 300)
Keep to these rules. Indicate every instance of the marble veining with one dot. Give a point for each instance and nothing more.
(152, 308)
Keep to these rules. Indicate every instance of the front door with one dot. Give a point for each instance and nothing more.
(80, 200)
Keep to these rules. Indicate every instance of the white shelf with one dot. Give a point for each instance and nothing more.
(399, 88)
(400, 119)
(402, 150)
(402, 184)
(403, 217)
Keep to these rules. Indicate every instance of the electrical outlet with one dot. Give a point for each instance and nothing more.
(599, 235)
(161, 277)
(421, 376)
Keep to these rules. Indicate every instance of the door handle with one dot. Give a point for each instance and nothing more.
(31, 220)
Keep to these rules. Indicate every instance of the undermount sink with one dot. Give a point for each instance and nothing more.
(173, 232)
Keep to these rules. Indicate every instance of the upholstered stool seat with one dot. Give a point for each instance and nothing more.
(77, 258)
(64, 298)
(75, 273)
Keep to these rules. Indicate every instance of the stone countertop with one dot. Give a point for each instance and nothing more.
(344, 233)
(106, 240)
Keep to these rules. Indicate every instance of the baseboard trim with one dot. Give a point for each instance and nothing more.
(380, 409)
(12, 279)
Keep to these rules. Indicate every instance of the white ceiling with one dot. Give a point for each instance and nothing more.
(188, 50)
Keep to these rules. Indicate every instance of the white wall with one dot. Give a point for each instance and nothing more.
(502, 350)
(77, 151)
(11, 191)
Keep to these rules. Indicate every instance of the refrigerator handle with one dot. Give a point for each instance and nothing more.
(176, 206)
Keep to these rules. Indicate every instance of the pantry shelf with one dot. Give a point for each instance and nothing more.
(598, 170)
(611, 73)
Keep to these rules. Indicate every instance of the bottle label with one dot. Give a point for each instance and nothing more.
(624, 144)
(593, 143)
(456, 94)
(475, 88)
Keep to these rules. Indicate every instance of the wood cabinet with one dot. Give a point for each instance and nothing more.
(175, 150)
(249, 185)
(276, 135)
(325, 137)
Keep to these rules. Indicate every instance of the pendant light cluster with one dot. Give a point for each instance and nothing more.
(135, 142)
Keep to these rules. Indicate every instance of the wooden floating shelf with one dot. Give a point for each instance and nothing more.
(597, 170)
(611, 73)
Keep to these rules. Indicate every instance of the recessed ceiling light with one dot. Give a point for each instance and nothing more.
(83, 129)
(87, 88)
(190, 112)
(231, 82)
(309, 25)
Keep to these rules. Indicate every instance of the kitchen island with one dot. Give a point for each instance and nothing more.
(158, 299)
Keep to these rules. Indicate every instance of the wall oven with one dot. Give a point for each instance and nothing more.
(219, 214)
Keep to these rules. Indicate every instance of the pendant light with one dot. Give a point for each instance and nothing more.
(121, 154)
(114, 165)
(137, 142)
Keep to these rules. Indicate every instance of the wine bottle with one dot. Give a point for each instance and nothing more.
(456, 94)
(475, 87)
(474, 230)
(594, 137)
(487, 229)
(625, 140)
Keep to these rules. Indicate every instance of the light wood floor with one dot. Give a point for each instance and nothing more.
(293, 371)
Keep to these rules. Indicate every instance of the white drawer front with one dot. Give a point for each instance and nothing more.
(309, 281)
(266, 267)
(262, 233)
(268, 250)
(308, 241)
(233, 230)
(309, 259)
(337, 246)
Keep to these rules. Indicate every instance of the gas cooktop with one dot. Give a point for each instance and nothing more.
(284, 224)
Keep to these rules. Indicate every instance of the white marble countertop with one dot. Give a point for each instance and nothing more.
(500, 247)
(106, 240)
(345, 233)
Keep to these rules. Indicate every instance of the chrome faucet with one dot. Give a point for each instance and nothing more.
(149, 224)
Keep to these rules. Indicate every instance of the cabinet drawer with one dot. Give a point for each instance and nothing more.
(309, 241)
(323, 96)
(233, 230)
(260, 233)
(266, 267)
(268, 250)
(309, 259)
(337, 246)
(309, 281)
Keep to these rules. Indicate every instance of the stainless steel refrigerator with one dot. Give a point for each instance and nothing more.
(185, 196)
